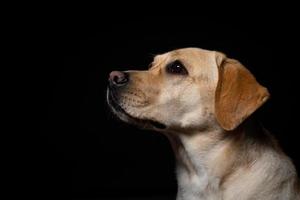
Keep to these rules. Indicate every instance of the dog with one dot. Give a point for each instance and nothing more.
(204, 102)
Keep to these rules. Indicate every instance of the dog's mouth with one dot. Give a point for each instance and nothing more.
(121, 113)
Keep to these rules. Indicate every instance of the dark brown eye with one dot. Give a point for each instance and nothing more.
(176, 67)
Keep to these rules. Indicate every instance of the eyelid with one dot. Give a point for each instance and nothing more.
(175, 61)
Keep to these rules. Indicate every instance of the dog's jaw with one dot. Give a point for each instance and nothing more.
(126, 117)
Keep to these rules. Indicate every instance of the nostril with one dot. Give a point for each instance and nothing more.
(115, 79)
(122, 80)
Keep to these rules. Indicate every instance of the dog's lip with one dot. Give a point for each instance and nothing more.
(118, 108)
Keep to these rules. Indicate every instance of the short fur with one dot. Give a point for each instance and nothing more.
(221, 151)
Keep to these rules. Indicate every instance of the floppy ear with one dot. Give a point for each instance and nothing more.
(238, 94)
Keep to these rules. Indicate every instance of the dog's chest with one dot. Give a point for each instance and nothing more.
(197, 187)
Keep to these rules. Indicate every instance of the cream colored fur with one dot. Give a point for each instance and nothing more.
(207, 121)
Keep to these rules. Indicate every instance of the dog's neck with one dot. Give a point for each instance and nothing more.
(193, 172)
(205, 159)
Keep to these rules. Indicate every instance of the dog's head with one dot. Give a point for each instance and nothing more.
(186, 89)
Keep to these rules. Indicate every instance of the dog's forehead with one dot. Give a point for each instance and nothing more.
(196, 59)
(192, 55)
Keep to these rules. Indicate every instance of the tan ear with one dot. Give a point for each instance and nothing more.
(238, 94)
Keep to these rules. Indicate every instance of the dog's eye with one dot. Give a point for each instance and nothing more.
(176, 67)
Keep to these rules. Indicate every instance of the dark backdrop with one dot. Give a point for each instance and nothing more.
(83, 152)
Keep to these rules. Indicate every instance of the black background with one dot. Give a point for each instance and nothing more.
(81, 150)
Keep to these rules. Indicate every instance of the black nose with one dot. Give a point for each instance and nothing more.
(118, 78)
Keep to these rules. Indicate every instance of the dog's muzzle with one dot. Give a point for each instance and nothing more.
(117, 81)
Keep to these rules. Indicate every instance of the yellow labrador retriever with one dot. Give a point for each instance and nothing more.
(203, 101)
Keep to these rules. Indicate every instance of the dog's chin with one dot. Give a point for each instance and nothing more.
(126, 117)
